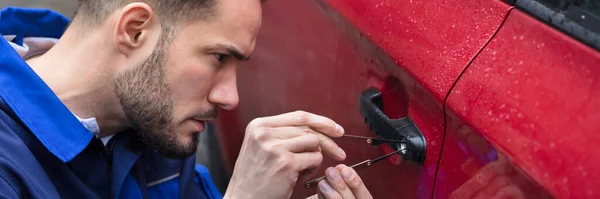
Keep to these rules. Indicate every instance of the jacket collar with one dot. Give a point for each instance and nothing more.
(25, 92)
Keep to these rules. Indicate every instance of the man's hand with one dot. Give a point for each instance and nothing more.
(342, 182)
(279, 150)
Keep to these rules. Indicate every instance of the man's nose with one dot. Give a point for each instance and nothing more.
(225, 93)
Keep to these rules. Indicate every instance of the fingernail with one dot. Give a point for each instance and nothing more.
(341, 152)
(333, 174)
(339, 128)
(325, 187)
(347, 173)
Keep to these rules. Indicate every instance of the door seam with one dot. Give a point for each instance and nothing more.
(452, 88)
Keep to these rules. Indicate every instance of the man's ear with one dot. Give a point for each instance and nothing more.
(133, 27)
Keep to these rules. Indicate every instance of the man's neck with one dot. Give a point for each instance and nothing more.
(81, 74)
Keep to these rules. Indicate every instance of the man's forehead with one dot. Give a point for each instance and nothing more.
(232, 25)
(242, 12)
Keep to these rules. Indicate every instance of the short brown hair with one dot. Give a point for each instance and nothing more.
(94, 12)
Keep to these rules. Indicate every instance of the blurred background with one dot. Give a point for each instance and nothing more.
(208, 150)
(66, 7)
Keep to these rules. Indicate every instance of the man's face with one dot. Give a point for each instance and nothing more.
(180, 86)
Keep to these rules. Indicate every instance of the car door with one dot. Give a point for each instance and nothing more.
(522, 120)
(321, 55)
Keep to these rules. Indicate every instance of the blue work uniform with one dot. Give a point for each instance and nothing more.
(45, 152)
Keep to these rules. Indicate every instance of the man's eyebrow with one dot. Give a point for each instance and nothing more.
(235, 52)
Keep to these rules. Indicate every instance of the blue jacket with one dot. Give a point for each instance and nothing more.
(45, 152)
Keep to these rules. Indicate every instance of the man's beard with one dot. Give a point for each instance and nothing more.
(148, 104)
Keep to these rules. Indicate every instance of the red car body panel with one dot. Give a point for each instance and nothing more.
(309, 58)
(319, 55)
(525, 111)
(324, 72)
(432, 40)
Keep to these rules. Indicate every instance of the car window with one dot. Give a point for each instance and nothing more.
(555, 4)
(586, 13)
(577, 18)
(591, 6)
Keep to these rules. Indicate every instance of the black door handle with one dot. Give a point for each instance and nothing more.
(371, 106)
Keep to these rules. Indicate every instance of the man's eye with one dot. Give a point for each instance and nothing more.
(221, 57)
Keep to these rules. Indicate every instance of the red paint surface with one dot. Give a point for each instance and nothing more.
(532, 98)
(324, 72)
(432, 40)
(309, 58)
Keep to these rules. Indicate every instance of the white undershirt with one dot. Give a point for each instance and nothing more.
(92, 125)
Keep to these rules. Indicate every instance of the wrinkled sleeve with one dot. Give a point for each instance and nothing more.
(6, 190)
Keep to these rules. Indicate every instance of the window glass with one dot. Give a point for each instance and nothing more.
(591, 6)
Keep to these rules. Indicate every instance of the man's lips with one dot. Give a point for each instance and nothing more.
(200, 125)
(203, 119)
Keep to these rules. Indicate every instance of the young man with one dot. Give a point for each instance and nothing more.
(114, 108)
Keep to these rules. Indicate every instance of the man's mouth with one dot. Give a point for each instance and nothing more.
(202, 118)
(200, 125)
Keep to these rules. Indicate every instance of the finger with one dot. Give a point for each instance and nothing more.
(306, 175)
(300, 144)
(288, 132)
(308, 160)
(327, 145)
(483, 178)
(316, 196)
(326, 191)
(492, 187)
(334, 178)
(330, 148)
(354, 182)
(511, 191)
(321, 196)
(300, 118)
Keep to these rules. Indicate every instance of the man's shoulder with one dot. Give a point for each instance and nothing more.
(20, 172)
(13, 149)
(9, 129)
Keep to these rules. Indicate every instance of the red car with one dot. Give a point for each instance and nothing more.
(501, 99)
